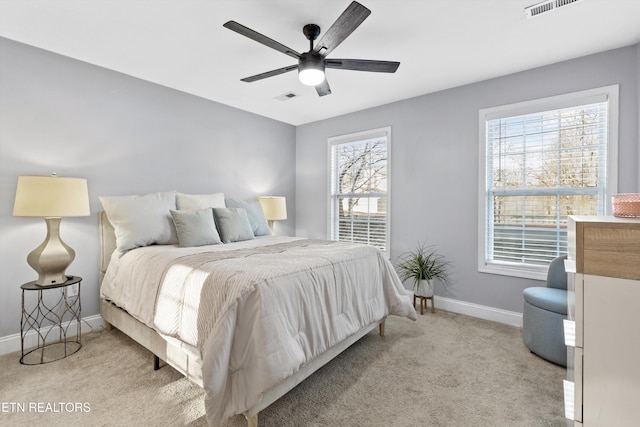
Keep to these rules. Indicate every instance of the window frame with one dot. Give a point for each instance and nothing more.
(610, 94)
(355, 137)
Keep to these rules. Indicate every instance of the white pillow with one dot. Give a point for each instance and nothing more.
(255, 214)
(141, 220)
(195, 227)
(199, 201)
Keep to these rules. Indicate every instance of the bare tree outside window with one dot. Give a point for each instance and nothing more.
(545, 167)
(359, 191)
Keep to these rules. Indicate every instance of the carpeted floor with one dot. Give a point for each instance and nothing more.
(443, 370)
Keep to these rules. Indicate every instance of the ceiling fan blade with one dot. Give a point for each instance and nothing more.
(362, 65)
(350, 19)
(270, 73)
(254, 35)
(323, 88)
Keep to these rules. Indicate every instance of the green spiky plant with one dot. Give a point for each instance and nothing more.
(423, 263)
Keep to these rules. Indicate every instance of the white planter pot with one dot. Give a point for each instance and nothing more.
(424, 288)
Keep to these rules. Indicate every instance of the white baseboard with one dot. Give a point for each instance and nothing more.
(11, 343)
(480, 311)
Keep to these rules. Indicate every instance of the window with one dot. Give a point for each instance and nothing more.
(542, 161)
(359, 188)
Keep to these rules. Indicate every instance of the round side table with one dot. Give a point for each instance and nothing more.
(54, 319)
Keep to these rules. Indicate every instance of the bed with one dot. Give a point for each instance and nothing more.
(247, 320)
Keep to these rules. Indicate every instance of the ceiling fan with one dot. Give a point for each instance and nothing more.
(311, 65)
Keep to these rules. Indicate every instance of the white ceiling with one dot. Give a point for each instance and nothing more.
(440, 43)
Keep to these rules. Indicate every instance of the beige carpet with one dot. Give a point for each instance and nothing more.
(443, 370)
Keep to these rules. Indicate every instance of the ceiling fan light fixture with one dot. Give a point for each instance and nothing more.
(311, 77)
(311, 69)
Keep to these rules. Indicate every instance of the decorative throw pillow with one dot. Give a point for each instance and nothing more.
(195, 227)
(199, 201)
(141, 220)
(258, 222)
(233, 224)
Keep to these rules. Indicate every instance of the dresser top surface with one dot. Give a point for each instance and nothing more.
(604, 219)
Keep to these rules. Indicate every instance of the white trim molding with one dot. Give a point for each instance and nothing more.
(507, 317)
(11, 343)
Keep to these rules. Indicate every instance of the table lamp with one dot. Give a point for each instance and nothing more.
(52, 198)
(274, 208)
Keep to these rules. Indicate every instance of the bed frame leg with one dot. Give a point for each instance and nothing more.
(252, 421)
(381, 328)
(107, 326)
(156, 362)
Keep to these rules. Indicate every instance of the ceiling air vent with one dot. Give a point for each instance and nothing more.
(286, 96)
(547, 6)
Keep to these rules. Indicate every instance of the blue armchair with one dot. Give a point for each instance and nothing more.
(544, 310)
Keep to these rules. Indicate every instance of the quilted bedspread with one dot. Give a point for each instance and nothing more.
(256, 311)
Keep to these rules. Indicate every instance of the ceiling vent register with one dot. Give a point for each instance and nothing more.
(286, 96)
(547, 6)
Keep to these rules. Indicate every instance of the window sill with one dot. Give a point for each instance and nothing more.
(525, 272)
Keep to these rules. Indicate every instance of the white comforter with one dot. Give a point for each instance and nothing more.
(256, 311)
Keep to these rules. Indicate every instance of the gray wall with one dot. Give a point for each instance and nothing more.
(126, 136)
(434, 161)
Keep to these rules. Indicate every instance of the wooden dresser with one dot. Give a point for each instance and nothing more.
(603, 327)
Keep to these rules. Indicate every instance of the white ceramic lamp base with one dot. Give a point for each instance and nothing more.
(51, 259)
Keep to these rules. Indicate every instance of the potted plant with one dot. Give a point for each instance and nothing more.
(423, 265)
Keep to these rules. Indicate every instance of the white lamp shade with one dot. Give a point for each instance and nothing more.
(274, 207)
(51, 196)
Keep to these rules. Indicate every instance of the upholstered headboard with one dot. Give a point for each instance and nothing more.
(107, 242)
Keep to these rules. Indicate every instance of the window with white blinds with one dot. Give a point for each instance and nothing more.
(540, 167)
(359, 188)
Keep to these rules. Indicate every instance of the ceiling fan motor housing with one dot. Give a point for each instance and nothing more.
(311, 68)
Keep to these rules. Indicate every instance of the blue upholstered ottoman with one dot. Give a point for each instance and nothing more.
(544, 310)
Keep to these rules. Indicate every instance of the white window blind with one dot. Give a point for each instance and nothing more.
(359, 210)
(540, 168)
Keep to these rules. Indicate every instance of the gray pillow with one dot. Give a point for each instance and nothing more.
(195, 227)
(233, 224)
(258, 222)
(141, 220)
